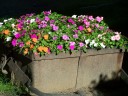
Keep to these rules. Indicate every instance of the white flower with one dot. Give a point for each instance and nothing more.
(8, 39)
(32, 20)
(92, 42)
(5, 21)
(13, 25)
(87, 41)
(96, 44)
(102, 45)
(10, 19)
(1, 24)
(74, 16)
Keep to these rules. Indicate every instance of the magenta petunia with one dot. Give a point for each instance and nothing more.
(70, 20)
(60, 47)
(14, 42)
(81, 28)
(33, 36)
(72, 47)
(17, 35)
(21, 44)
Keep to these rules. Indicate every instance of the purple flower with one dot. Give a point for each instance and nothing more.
(76, 31)
(65, 37)
(17, 35)
(14, 42)
(54, 38)
(81, 28)
(72, 47)
(21, 44)
(55, 28)
(60, 47)
(47, 12)
(75, 36)
(46, 18)
(101, 28)
(70, 20)
(81, 44)
(52, 21)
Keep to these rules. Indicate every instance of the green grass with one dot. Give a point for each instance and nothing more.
(6, 87)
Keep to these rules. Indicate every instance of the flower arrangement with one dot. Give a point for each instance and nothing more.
(48, 32)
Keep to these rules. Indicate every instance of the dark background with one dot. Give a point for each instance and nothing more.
(115, 12)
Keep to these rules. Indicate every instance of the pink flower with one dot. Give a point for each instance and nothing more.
(47, 12)
(113, 38)
(55, 28)
(99, 19)
(54, 38)
(14, 42)
(117, 37)
(65, 37)
(81, 28)
(72, 43)
(97, 25)
(60, 47)
(87, 24)
(75, 36)
(91, 18)
(72, 47)
(46, 18)
(81, 44)
(101, 28)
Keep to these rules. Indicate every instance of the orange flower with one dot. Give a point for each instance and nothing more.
(31, 46)
(40, 48)
(89, 29)
(45, 49)
(25, 51)
(46, 36)
(18, 29)
(6, 32)
(28, 43)
(34, 40)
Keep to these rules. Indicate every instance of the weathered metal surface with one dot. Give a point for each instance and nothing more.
(54, 75)
(64, 72)
(96, 67)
